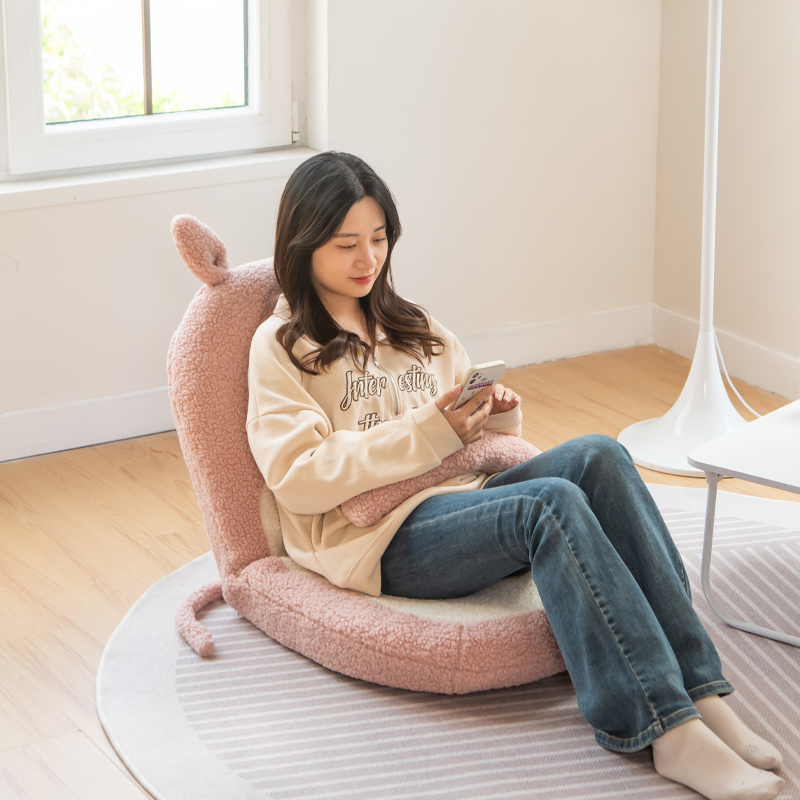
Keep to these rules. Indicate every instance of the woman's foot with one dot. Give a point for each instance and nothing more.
(720, 718)
(694, 756)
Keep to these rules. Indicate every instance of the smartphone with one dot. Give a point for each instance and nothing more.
(477, 379)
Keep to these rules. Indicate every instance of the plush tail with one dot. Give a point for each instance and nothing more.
(195, 633)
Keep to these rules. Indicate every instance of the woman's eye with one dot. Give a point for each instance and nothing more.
(377, 241)
(346, 246)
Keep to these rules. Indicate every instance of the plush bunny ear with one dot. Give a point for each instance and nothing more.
(201, 249)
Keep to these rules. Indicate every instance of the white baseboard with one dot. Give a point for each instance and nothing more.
(751, 362)
(563, 338)
(107, 419)
(87, 422)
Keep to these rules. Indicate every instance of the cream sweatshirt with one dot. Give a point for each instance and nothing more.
(321, 439)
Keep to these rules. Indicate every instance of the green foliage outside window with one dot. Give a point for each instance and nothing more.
(72, 89)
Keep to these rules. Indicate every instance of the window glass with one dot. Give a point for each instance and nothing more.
(198, 54)
(92, 59)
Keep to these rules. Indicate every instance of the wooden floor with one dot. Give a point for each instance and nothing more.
(84, 533)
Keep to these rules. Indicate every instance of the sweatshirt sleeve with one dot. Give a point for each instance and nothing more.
(311, 468)
(509, 422)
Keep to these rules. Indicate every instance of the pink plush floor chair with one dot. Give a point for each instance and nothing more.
(495, 638)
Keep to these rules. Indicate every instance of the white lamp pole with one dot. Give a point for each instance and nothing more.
(703, 411)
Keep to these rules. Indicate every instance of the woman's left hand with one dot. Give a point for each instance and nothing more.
(504, 400)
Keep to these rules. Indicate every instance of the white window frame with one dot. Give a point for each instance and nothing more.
(34, 147)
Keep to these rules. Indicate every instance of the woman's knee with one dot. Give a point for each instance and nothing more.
(603, 445)
(603, 451)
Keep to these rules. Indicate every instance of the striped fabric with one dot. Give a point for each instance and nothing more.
(268, 723)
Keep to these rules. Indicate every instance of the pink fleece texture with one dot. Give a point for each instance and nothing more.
(193, 631)
(493, 452)
(346, 631)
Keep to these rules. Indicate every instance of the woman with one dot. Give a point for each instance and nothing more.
(351, 388)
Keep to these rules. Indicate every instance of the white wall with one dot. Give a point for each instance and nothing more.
(520, 141)
(99, 289)
(757, 294)
(519, 137)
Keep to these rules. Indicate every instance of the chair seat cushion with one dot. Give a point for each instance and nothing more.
(495, 638)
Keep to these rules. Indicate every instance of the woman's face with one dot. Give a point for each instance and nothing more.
(349, 264)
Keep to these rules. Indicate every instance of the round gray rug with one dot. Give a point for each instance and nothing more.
(256, 720)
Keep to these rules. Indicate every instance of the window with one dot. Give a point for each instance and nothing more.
(112, 82)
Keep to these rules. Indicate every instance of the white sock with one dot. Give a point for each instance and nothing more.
(720, 718)
(694, 756)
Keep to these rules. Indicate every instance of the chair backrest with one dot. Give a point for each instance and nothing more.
(207, 372)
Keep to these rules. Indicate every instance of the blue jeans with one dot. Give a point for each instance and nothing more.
(607, 571)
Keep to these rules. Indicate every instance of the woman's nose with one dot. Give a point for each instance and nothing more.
(369, 256)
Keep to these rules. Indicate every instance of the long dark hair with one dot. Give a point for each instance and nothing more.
(315, 202)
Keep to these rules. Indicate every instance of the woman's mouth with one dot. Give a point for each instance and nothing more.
(363, 280)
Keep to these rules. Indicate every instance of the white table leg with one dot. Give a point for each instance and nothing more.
(705, 569)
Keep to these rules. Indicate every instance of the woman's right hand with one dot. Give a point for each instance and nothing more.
(467, 422)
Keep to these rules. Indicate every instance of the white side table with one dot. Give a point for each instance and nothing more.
(765, 451)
